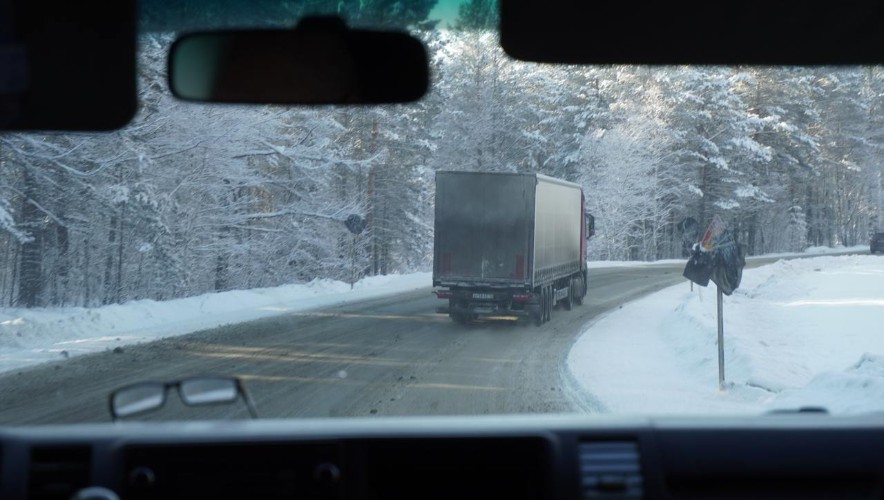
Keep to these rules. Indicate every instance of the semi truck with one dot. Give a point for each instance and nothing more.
(508, 244)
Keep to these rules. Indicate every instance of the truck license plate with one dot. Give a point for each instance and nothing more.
(483, 295)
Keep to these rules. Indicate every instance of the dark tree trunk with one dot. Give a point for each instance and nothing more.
(109, 262)
(118, 287)
(87, 284)
(751, 231)
(31, 279)
(221, 280)
(62, 265)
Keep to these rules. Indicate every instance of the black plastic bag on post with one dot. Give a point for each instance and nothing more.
(728, 262)
(699, 267)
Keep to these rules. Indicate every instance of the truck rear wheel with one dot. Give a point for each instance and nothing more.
(538, 317)
(543, 313)
(580, 286)
(569, 300)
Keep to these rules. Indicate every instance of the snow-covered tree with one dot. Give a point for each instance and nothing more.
(193, 198)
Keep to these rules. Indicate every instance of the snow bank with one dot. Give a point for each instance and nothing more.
(30, 336)
(806, 332)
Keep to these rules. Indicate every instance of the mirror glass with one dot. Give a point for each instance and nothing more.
(590, 225)
(138, 398)
(198, 391)
(320, 62)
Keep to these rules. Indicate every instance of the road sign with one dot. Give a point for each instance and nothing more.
(717, 257)
(355, 224)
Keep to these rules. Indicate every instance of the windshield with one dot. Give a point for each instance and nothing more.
(517, 242)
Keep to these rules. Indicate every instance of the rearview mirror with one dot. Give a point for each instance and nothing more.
(319, 62)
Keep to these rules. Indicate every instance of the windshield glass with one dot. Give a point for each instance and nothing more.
(516, 242)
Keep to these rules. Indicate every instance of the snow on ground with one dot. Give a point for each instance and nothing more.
(797, 332)
(804, 332)
(31, 336)
(808, 252)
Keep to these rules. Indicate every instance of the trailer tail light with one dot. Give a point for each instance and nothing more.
(520, 267)
(444, 294)
(521, 297)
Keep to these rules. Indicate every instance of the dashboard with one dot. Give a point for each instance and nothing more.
(565, 457)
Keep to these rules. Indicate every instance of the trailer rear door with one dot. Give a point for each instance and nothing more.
(483, 226)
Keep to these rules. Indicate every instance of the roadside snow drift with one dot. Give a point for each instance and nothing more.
(31, 336)
(806, 332)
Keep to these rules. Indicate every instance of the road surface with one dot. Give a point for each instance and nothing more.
(389, 356)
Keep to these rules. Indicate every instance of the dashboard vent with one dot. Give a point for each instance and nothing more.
(58, 471)
(610, 469)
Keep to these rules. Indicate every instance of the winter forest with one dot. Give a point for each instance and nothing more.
(193, 198)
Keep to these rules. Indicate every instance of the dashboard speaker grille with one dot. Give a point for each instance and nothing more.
(58, 472)
(610, 469)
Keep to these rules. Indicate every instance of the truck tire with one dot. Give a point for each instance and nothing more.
(540, 317)
(581, 291)
(569, 300)
(552, 302)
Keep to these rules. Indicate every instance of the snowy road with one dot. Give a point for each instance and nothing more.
(389, 356)
(386, 356)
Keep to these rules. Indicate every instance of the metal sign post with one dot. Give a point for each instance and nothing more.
(355, 224)
(719, 258)
(720, 339)
(353, 260)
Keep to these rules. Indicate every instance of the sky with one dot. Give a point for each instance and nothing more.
(803, 332)
(446, 11)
